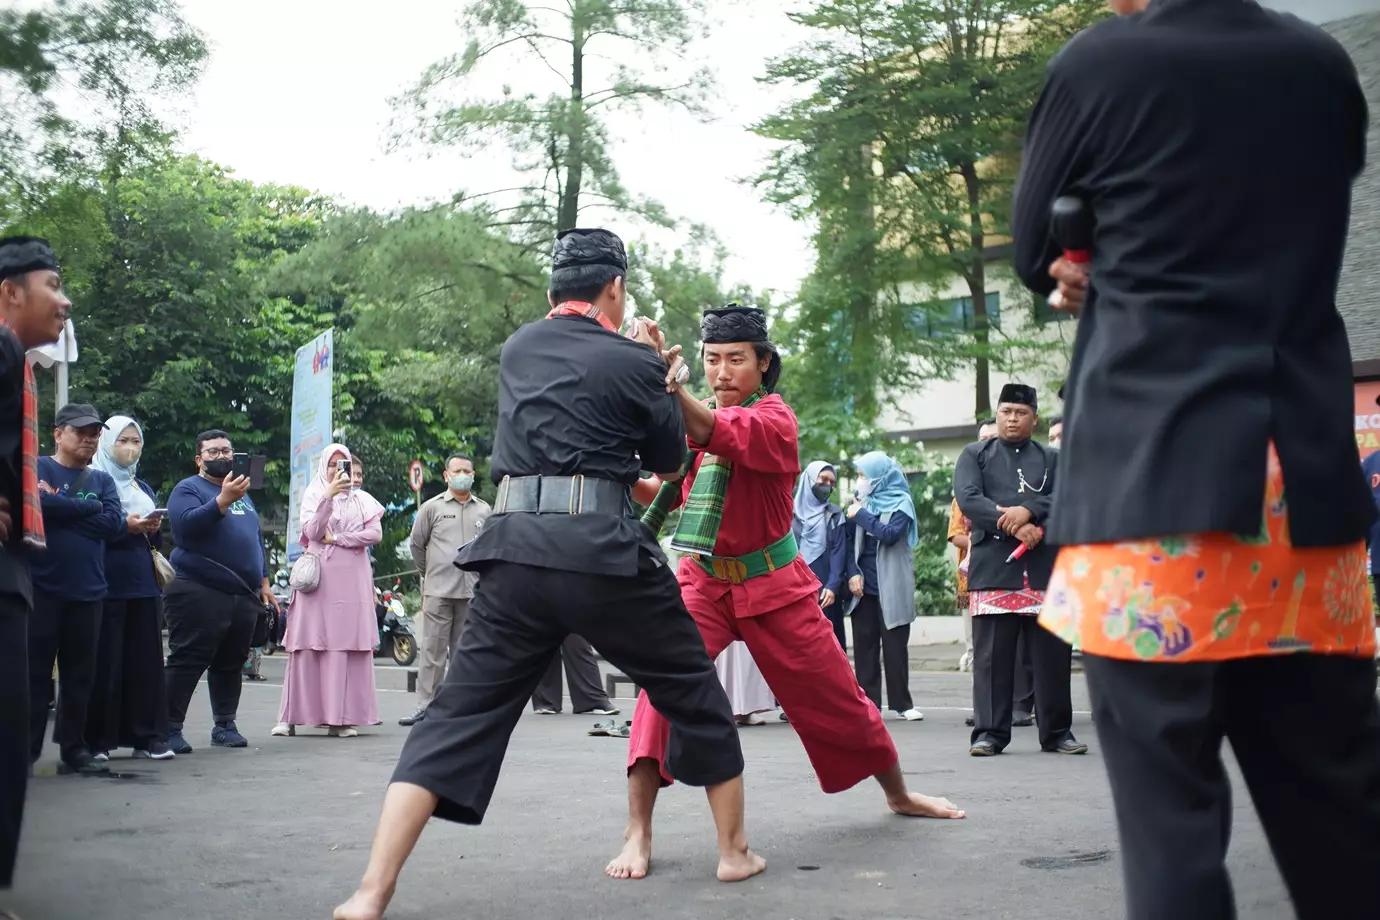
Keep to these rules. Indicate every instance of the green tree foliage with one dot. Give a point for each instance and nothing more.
(433, 294)
(904, 150)
(560, 141)
(77, 80)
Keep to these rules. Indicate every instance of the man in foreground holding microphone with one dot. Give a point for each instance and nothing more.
(1213, 512)
(1005, 487)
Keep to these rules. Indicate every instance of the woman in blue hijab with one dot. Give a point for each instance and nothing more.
(882, 530)
(818, 528)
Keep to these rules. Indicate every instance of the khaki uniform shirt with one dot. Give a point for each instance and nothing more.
(443, 525)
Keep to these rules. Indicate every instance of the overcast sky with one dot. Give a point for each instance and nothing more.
(297, 92)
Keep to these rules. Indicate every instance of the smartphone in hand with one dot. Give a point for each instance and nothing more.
(157, 514)
(250, 466)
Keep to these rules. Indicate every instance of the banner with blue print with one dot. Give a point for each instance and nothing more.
(311, 424)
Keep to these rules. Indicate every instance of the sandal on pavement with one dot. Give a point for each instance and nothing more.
(622, 731)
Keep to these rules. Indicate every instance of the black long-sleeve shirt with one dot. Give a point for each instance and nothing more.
(1216, 144)
(577, 398)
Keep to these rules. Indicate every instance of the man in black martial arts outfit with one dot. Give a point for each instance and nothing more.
(32, 312)
(1004, 486)
(581, 410)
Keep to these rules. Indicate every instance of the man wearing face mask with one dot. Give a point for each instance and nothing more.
(222, 583)
(443, 525)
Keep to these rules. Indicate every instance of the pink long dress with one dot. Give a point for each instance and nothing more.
(332, 631)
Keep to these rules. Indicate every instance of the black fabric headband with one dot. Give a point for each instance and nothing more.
(21, 254)
(733, 324)
(576, 248)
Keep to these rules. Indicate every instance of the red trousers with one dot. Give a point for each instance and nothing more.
(795, 649)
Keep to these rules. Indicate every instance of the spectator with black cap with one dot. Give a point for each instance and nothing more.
(33, 310)
(82, 513)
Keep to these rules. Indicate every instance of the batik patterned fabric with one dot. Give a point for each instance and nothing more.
(1006, 600)
(1214, 597)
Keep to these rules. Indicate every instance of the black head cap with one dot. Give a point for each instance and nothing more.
(22, 254)
(579, 247)
(1020, 394)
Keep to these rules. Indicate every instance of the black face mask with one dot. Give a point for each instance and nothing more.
(822, 491)
(218, 469)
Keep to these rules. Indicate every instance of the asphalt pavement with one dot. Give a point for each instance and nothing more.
(282, 830)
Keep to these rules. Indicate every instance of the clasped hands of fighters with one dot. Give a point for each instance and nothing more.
(648, 333)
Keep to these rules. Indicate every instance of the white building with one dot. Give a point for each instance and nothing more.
(941, 413)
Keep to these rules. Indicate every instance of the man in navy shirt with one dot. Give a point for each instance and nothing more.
(222, 584)
(81, 513)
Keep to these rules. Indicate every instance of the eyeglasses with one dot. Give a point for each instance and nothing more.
(217, 453)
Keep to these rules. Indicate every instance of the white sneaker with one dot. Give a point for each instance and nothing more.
(101, 757)
(346, 731)
(965, 662)
(283, 730)
(912, 715)
(757, 718)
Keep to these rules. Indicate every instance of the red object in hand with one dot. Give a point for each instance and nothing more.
(1019, 551)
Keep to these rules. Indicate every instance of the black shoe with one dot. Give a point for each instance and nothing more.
(970, 721)
(1022, 720)
(413, 719)
(984, 749)
(1068, 746)
(80, 761)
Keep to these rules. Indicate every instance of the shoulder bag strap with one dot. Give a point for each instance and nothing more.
(257, 595)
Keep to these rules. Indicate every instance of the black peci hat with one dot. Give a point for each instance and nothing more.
(1020, 394)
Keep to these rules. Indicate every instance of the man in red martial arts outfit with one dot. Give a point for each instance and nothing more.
(742, 578)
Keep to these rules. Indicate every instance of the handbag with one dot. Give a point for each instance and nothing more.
(306, 573)
(263, 626)
(163, 571)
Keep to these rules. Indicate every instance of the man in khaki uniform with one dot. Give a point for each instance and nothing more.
(444, 524)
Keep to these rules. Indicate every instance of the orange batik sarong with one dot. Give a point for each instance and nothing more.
(1211, 597)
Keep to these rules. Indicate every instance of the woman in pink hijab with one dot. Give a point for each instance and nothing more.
(332, 630)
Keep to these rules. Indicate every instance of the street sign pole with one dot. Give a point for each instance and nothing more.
(415, 479)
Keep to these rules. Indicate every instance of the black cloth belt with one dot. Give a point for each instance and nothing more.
(563, 495)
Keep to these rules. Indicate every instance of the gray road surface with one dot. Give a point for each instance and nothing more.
(281, 830)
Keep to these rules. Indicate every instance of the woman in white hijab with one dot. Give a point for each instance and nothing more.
(127, 702)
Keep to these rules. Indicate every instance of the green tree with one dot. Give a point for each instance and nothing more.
(76, 84)
(906, 148)
(560, 141)
(433, 294)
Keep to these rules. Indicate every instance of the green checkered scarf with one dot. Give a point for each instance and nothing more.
(698, 529)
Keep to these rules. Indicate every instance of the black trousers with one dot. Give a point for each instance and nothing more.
(834, 614)
(1310, 757)
(873, 646)
(581, 673)
(14, 727)
(209, 632)
(519, 617)
(995, 637)
(65, 632)
(128, 706)
(1023, 696)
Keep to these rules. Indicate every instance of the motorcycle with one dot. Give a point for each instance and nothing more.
(397, 638)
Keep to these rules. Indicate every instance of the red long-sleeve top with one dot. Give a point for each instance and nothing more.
(762, 442)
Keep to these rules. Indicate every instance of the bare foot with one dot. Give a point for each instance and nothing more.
(363, 905)
(915, 805)
(735, 867)
(634, 859)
